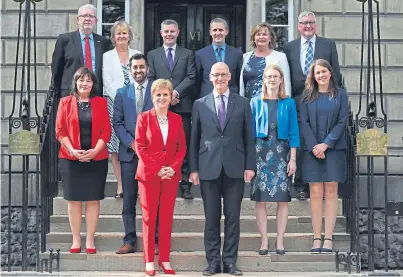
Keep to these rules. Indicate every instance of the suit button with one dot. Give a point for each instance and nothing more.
(164, 150)
(222, 136)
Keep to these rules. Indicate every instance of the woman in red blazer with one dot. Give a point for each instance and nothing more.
(161, 148)
(83, 129)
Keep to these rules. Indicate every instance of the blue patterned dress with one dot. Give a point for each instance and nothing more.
(253, 75)
(271, 183)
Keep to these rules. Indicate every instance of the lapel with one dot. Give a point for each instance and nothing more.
(211, 55)
(79, 48)
(333, 105)
(131, 95)
(98, 52)
(147, 95)
(116, 60)
(211, 106)
(297, 54)
(227, 54)
(312, 108)
(230, 108)
(163, 56)
(157, 130)
(318, 46)
(178, 52)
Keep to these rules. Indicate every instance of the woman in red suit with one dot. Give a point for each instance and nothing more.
(161, 148)
(83, 129)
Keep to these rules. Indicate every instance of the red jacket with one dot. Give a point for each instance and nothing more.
(68, 125)
(150, 148)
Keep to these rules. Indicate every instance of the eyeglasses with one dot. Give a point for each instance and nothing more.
(274, 77)
(87, 16)
(306, 23)
(218, 75)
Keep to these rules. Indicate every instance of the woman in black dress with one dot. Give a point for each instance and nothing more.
(83, 129)
(324, 112)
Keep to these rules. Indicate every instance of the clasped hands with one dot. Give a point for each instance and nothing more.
(166, 172)
(319, 150)
(84, 155)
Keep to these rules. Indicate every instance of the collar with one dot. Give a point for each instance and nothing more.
(82, 36)
(215, 93)
(166, 48)
(304, 40)
(144, 84)
(215, 46)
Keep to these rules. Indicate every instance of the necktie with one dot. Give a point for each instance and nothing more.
(308, 58)
(218, 54)
(221, 111)
(88, 58)
(139, 99)
(170, 59)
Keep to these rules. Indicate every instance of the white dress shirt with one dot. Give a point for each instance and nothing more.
(304, 48)
(136, 85)
(164, 131)
(172, 51)
(217, 100)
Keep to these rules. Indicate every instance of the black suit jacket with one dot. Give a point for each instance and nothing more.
(68, 58)
(205, 59)
(212, 148)
(183, 75)
(324, 49)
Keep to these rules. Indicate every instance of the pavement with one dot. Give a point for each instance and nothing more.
(194, 274)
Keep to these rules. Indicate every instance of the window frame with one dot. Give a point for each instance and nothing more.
(99, 15)
(291, 19)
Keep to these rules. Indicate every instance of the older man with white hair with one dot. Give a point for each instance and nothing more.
(77, 49)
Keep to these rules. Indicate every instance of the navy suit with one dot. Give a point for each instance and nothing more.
(205, 59)
(124, 124)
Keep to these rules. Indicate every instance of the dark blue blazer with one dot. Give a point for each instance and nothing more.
(205, 59)
(336, 124)
(125, 117)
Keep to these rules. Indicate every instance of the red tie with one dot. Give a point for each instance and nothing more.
(88, 58)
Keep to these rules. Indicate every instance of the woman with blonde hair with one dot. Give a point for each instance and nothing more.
(277, 138)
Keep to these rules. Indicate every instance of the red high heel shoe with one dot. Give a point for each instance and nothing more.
(167, 271)
(150, 272)
(75, 250)
(91, 250)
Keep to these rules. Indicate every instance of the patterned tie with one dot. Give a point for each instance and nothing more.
(170, 59)
(221, 112)
(218, 54)
(140, 99)
(88, 58)
(308, 58)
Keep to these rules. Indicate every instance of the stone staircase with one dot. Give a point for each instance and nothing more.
(187, 238)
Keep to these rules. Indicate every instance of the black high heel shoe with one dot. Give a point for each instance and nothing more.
(318, 249)
(264, 251)
(280, 251)
(327, 250)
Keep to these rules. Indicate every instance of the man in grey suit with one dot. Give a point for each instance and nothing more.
(222, 158)
(300, 55)
(218, 51)
(177, 64)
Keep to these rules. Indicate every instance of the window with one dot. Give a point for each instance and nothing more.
(280, 15)
(110, 11)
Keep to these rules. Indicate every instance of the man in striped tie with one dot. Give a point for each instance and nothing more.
(300, 55)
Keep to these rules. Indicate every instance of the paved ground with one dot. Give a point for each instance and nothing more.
(189, 274)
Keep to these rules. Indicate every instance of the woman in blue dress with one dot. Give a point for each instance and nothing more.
(324, 112)
(277, 138)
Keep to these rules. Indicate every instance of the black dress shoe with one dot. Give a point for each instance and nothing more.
(280, 251)
(187, 195)
(301, 194)
(232, 269)
(211, 270)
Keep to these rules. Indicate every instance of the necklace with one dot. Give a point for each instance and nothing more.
(162, 120)
(83, 105)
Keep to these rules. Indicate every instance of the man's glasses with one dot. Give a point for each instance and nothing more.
(87, 16)
(218, 75)
(306, 23)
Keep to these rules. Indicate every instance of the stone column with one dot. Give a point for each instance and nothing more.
(253, 17)
(137, 23)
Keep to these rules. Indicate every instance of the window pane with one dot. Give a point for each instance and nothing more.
(277, 12)
(113, 10)
(106, 30)
(281, 36)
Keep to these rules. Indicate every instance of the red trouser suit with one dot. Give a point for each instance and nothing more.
(153, 154)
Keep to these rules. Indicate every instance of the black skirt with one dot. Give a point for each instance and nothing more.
(83, 181)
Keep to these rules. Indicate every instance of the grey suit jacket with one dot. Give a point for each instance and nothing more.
(212, 148)
(324, 49)
(183, 75)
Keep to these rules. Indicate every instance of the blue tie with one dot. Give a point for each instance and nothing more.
(308, 58)
(170, 59)
(221, 111)
(218, 54)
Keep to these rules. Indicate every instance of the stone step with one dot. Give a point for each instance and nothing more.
(194, 223)
(112, 206)
(189, 242)
(195, 261)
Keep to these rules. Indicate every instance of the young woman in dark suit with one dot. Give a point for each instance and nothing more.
(161, 148)
(83, 129)
(324, 112)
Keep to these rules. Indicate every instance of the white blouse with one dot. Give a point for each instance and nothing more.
(164, 131)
